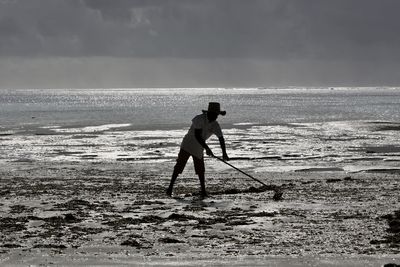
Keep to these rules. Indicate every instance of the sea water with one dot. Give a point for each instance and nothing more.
(171, 107)
(271, 129)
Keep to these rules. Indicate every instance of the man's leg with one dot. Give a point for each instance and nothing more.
(171, 184)
(200, 170)
(203, 185)
(183, 157)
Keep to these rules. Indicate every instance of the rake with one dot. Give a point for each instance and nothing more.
(278, 191)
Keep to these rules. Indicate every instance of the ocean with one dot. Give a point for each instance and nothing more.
(266, 129)
(172, 107)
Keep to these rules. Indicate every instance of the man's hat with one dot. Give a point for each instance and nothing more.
(215, 107)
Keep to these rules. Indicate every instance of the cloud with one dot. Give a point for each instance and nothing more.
(328, 37)
(201, 29)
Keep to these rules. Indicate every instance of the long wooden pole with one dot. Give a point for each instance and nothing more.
(255, 179)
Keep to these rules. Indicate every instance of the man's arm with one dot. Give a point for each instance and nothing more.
(223, 147)
(199, 138)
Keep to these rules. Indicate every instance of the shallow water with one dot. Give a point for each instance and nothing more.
(345, 129)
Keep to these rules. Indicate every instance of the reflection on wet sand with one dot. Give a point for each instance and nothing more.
(350, 146)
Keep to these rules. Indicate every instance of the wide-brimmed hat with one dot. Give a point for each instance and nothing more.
(215, 107)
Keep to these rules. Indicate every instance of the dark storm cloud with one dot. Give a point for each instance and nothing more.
(128, 43)
(275, 29)
(349, 28)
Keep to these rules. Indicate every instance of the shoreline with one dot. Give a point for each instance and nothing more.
(113, 257)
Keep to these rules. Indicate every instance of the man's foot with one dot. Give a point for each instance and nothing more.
(169, 192)
(204, 195)
(278, 194)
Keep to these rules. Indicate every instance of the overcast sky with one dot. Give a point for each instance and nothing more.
(198, 43)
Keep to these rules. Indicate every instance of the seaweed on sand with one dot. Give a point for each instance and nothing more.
(393, 221)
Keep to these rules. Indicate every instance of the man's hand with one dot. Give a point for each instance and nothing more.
(225, 157)
(209, 152)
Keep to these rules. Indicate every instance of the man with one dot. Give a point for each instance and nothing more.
(193, 144)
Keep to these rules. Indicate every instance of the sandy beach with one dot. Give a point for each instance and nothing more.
(117, 214)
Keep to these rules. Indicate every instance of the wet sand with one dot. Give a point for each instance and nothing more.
(83, 213)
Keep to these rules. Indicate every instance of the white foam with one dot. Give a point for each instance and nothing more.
(246, 123)
(91, 129)
(51, 127)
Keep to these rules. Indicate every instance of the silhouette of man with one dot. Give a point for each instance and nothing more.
(194, 143)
